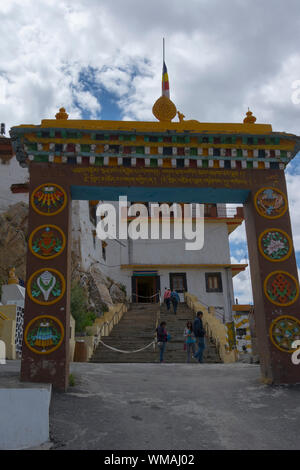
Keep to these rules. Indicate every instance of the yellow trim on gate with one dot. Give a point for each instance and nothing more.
(152, 126)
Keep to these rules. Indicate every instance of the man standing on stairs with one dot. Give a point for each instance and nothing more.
(199, 333)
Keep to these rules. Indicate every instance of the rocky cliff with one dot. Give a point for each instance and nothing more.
(13, 240)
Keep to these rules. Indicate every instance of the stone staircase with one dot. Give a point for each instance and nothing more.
(137, 329)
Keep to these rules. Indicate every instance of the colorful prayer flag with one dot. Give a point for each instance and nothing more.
(165, 82)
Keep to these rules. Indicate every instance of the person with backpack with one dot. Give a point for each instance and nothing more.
(175, 299)
(162, 338)
(190, 340)
(167, 298)
(199, 333)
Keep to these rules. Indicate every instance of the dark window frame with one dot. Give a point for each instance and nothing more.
(172, 275)
(240, 332)
(220, 284)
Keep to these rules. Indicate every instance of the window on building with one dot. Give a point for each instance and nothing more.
(240, 332)
(178, 282)
(213, 282)
(210, 210)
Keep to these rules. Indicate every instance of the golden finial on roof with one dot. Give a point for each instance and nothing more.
(181, 116)
(249, 119)
(12, 278)
(164, 109)
(62, 114)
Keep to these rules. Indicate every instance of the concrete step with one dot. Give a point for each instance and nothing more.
(137, 329)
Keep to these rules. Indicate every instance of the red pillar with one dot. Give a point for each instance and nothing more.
(274, 279)
(45, 355)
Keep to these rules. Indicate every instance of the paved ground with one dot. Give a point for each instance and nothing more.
(173, 407)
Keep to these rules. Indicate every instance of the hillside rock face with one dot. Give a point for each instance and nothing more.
(102, 291)
(117, 294)
(13, 240)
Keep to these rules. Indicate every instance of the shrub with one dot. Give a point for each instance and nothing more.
(123, 288)
(79, 308)
(104, 308)
(71, 380)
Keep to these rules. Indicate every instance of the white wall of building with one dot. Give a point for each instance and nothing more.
(88, 247)
(11, 173)
(215, 249)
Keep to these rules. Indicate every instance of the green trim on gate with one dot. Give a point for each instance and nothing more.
(148, 194)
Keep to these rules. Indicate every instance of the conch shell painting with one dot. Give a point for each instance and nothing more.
(46, 286)
(46, 282)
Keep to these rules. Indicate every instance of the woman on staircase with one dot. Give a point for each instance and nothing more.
(190, 340)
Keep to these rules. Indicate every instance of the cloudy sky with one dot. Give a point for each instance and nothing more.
(103, 59)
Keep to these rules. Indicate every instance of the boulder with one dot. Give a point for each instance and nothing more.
(99, 277)
(117, 294)
(98, 288)
(104, 294)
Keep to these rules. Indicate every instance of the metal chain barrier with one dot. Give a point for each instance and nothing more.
(127, 352)
(146, 297)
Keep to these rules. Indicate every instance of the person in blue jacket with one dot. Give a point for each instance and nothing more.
(162, 338)
(175, 299)
(199, 333)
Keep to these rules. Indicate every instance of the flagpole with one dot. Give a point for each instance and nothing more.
(163, 49)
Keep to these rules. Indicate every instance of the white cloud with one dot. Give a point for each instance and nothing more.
(242, 281)
(221, 57)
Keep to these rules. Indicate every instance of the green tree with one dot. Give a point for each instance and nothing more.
(79, 308)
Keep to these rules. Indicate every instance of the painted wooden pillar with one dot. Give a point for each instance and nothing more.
(274, 279)
(45, 355)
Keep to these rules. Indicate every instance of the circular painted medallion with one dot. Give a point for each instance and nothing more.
(281, 288)
(270, 203)
(275, 245)
(284, 331)
(44, 334)
(49, 199)
(47, 241)
(46, 286)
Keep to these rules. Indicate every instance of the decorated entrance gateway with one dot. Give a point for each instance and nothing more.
(185, 161)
